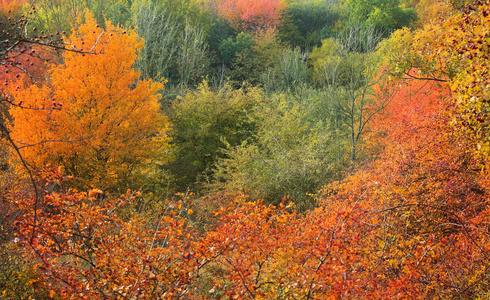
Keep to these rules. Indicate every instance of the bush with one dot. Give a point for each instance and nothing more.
(290, 156)
(203, 122)
(306, 24)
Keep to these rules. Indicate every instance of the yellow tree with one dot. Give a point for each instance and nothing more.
(102, 123)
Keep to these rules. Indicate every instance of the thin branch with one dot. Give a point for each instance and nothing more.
(31, 177)
(48, 141)
(426, 78)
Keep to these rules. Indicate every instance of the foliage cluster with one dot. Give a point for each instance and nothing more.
(206, 121)
(122, 126)
(312, 164)
(288, 155)
(188, 40)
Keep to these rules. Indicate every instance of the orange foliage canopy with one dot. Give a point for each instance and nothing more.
(94, 117)
(412, 103)
(411, 226)
(28, 65)
(246, 15)
(84, 250)
(7, 6)
(425, 202)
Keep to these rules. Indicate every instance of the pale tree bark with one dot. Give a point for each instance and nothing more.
(174, 50)
(160, 32)
(349, 77)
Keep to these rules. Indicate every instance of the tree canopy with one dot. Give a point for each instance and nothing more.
(348, 160)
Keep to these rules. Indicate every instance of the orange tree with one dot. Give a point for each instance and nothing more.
(428, 193)
(425, 202)
(456, 51)
(102, 123)
(24, 52)
(266, 252)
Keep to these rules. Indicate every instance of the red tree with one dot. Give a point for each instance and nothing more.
(250, 15)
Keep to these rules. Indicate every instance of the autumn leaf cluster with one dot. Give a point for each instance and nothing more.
(403, 215)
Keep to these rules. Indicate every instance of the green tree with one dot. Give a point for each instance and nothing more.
(386, 15)
(306, 24)
(289, 73)
(347, 69)
(57, 15)
(251, 63)
(230, 47)
(203, 123)
(175, 41)
(61, 15)
(289, 156)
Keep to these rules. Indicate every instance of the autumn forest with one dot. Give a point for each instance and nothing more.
(244, 149)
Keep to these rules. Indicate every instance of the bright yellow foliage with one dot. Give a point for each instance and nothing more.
(430, 11)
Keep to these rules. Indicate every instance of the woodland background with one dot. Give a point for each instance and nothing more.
(239, 149)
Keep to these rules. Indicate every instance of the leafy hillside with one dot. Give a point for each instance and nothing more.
(235, 149)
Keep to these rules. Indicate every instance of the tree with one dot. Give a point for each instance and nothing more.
(109, 123)
(455, 51)
(191, 58)
(203, 123)
(246, 15)
(23, 48)
(289, 73)
(348, 69)
(386, 15)
(410, 102)
(175, 34)
(86, 249)
(58, 15)
(266, 252)
(24, 53)
(251, 63)
(430, 11)
(288, 156)
(466, 43)
(230, 47)
(194, 11)
(160, 33)
(19, 55)
(426, 202)
(304, 25)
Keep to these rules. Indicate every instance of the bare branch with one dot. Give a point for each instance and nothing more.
(31, 177)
